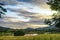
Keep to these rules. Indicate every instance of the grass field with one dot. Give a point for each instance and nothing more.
(38, 37)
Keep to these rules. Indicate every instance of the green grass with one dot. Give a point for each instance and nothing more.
(38, 37)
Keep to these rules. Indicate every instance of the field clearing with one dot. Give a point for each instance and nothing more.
(38, 37)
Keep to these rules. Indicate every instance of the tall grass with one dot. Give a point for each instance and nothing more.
(38, 37)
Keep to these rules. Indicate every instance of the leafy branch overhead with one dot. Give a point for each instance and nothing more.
(2, 10)
(55, 5)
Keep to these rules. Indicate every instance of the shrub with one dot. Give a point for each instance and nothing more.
(19, 33)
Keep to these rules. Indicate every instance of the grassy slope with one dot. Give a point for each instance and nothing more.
(39, 37)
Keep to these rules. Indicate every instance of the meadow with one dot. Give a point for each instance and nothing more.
(38, 37)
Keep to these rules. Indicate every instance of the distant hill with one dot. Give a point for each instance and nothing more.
(5, 29)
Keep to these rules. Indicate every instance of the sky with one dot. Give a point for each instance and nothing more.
(25, 13)
(28, 7)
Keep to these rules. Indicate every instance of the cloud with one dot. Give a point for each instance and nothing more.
(28, 7)
(35, 22)
(33, 2)
(13, 16)
(9, 2)
(24, 14)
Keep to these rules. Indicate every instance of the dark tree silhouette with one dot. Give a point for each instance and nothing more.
(19, 33)
(2, 10)
(55, 5)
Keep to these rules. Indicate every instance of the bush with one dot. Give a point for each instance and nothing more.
(19, 33)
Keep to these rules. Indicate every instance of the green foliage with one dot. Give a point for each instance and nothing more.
(56, 18)
(19, 33)
(58, 25)
(47, 21)
(6, 34)
(54, 4)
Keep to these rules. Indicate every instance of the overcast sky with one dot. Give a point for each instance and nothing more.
(25, 13)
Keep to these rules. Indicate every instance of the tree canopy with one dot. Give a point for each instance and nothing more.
(54, 4)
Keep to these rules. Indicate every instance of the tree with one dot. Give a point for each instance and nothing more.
(47, 21)
(19, 33)
(2, 10)
(56, 18)
(55, 5)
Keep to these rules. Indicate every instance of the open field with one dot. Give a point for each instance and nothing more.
(38, 37)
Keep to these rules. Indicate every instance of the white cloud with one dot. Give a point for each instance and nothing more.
(15, 18)
(30, 8)
(21, 19)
